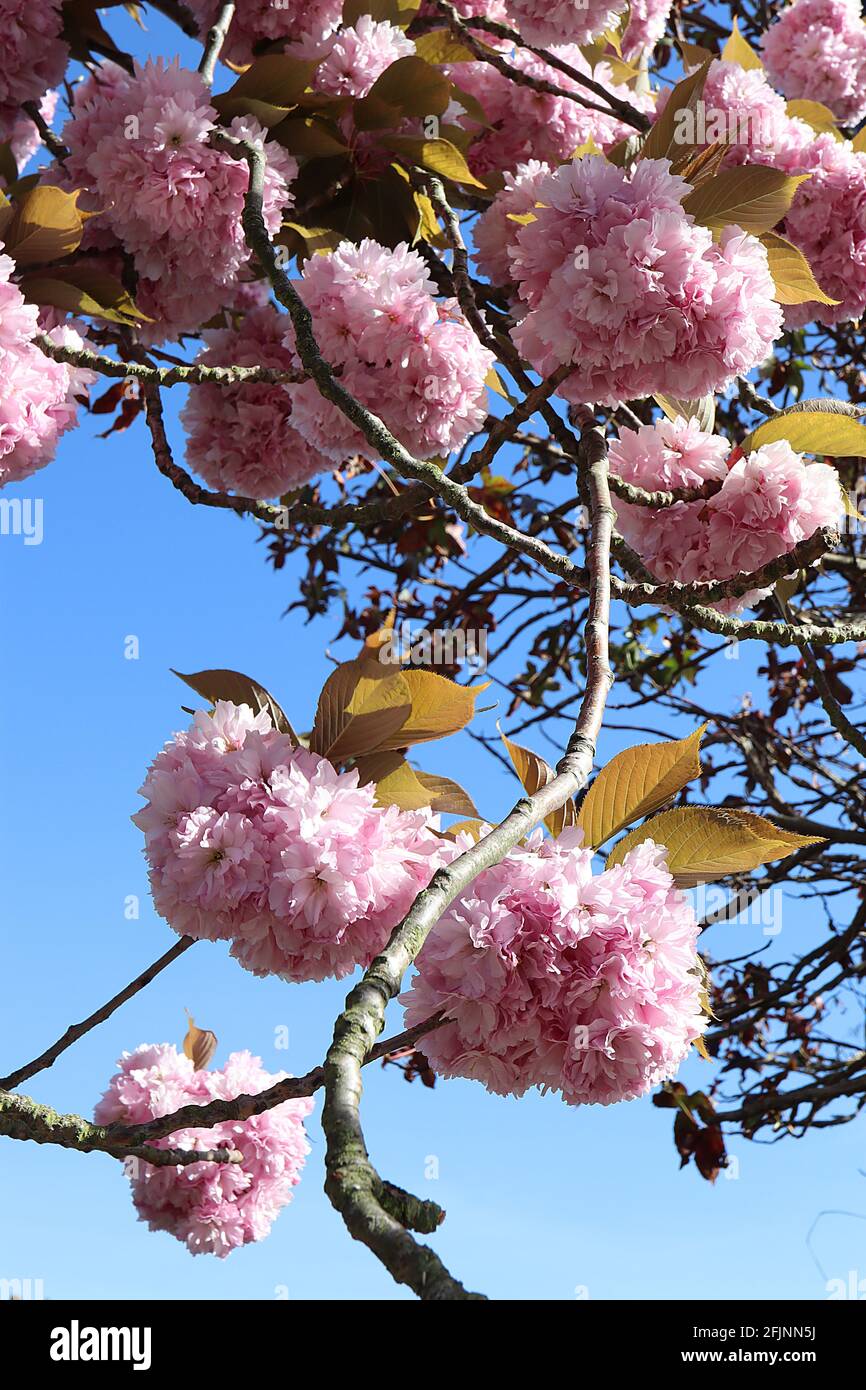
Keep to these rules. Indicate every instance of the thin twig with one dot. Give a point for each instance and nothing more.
(77, 1030)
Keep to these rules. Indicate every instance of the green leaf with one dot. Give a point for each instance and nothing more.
(534, 772)
(309, 138)
(624, 153)
(240, 690)
(751, 197)
(410, 87)
(8, 167)
(737, 50)
(268, 88)
(440, 156)
(706, 843)
(791, 272)
(812, 432)
(702, 410)
(637, 782)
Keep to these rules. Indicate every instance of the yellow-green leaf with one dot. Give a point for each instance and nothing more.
(705, 843)
(240, 690)
(362, 703)
(812, 432)
(694, 54)
(439, 156)
(702, 410)
(398, 12)
(787, 586)
(399, 784)
(494, 381)
(45, 224)
(588, 147)
(662, 137)
(429, 229)
(199, 1045)
(737, 50)
(818, 116)
(750, 197)
(858, 144)
(471, 827)
(440, 46)
(848, 505)
(84, 289)
(438, 707)
(637, 782)
(791, 272)
(534, 772)
(595, 53)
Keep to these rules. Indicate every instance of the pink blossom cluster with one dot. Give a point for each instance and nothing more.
(140, 146)
(827, 220)
(357, 55)
(252, 840)
(563, 21)
(524, 124)
(767, 503)
(33, 56)
(495, 231)
(816, 50)
(622, 283)
(24, 138)
(551, 976)
(38, 399)
(259, 22)
(738, 107)
(496, 10)
(414, 361)
(646, 24)
(212, 1207)
(240, 438)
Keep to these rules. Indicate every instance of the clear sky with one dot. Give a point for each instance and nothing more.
(542, 1200)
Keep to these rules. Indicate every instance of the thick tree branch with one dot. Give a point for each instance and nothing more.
(352, 1183)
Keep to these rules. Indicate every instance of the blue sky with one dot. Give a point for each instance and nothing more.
(543, 1200)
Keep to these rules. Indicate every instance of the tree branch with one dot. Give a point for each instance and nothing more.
(352, 1183)
(77, 1030)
